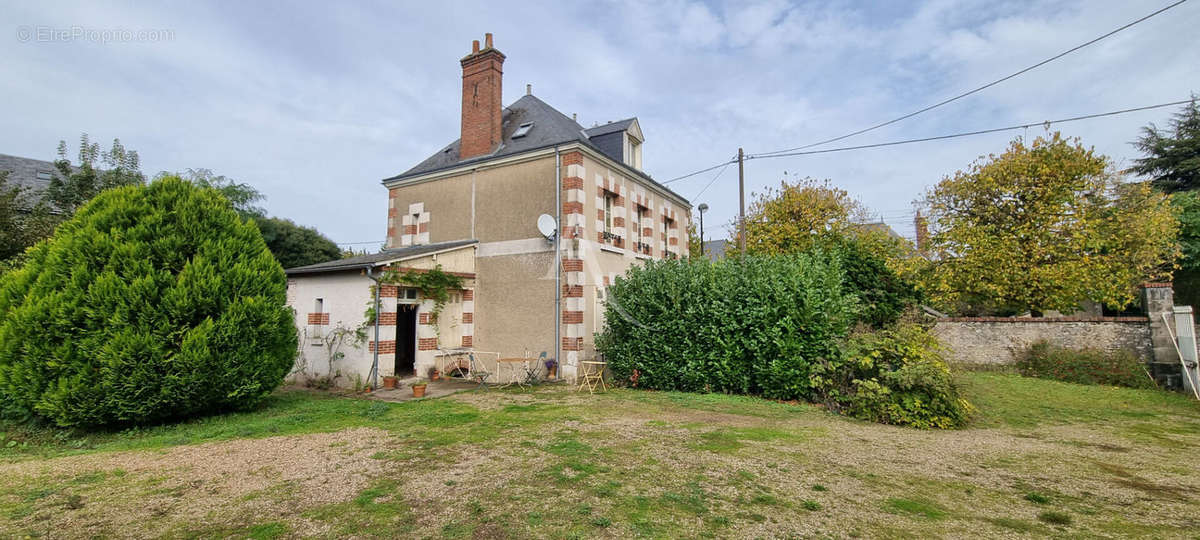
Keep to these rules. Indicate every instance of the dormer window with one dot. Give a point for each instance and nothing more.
(44, 175)
(522, 130)
(633, 151)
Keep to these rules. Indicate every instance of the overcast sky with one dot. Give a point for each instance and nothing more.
(314, 103)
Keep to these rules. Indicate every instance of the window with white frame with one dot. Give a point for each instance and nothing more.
(610, 200)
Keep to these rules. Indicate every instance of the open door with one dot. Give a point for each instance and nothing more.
(406, 340)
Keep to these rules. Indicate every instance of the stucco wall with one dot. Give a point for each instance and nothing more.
(982, 340)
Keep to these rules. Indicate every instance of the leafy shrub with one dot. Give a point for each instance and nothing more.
(747, 326)
(1084, 366)
(884, 295)
(893, 376)
(152, 302)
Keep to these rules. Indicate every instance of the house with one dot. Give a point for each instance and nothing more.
(471, 210)
(34, 175)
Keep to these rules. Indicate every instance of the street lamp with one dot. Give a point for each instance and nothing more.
(703, 209)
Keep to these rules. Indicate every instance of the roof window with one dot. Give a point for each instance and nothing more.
(43, 175)
(522, 130)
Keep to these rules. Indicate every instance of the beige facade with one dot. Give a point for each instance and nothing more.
(331, 309)
(498, 202)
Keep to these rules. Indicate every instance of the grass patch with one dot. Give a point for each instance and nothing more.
(729, 440)
(1055, 518)
(1036, 498)
(922, 508)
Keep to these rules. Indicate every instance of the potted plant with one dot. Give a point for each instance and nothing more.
(389, 381)
(551, 368)
(418, 388)
(434, 374)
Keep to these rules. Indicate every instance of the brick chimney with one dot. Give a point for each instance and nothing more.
(922, 226)
(481, 100)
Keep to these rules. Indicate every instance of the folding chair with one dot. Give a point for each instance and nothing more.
(533, 372)
(477, 373)
(593, 375)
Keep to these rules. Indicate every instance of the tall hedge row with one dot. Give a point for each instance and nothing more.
(152, 302)
(747, 326)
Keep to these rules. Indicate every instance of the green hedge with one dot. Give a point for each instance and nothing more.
(745, 326)
(152, 302)
(1084, 366)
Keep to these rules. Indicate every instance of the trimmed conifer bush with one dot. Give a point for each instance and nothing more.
(153, 302)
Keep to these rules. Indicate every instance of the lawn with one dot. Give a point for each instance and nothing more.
(1041, 458)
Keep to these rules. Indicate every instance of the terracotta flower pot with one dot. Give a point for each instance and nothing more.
(389, 382)
(552, 372)
(418, 390)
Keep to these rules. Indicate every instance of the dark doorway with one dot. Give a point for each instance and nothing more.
(406, 340)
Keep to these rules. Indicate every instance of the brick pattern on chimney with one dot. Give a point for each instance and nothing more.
(481, 101)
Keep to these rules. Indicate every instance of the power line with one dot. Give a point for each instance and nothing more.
(979, 89)
(358, 243)
(689, 175)
(714, 179)
(969, 133)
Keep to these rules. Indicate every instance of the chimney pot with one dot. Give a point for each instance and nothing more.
(475, 46)
(528, 89)
(487, 40)
(575, 118)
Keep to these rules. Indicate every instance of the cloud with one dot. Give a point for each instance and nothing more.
(315, 106)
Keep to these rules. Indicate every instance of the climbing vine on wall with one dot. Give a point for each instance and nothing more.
(434, 284)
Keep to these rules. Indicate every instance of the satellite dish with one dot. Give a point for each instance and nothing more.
(547, 226)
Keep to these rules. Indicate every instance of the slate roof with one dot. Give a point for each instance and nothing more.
(377, 259)
(23, 172)
(550, 128)
(715, 249)
(611, 127)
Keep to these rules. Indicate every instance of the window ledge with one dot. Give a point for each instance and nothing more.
(608, 248)
(642, 256)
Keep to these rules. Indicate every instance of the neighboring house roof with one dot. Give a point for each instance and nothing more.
(382, 258)
(715, 249)
(550, 128)
(881, 227)
(32, 174)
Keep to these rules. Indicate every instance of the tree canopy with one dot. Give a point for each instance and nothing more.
(1172, 156)
(1044, 226)
(294, 245)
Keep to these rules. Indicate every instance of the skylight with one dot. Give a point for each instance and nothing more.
(522, 130)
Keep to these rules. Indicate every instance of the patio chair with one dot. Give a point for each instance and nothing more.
(533, 372)
(478, 372)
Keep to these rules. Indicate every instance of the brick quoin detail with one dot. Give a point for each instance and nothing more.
(573, 158)
(674, 241)
(468, 318)
(469, 294)
(572, 265)
(423, 318)
(572, 291)
(572, 344)
(385, 347)
(468, 341)
(388, 291)
(572, 208)
(572, 317)
(572, 182)
(387, 317)
(427, 344)
(318, 318)
(618, 221)
(600, 213)
(424, 227)
(410, 229)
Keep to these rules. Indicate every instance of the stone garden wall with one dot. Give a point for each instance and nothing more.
(998, 340)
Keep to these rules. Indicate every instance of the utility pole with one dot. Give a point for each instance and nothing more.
(741, 202)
